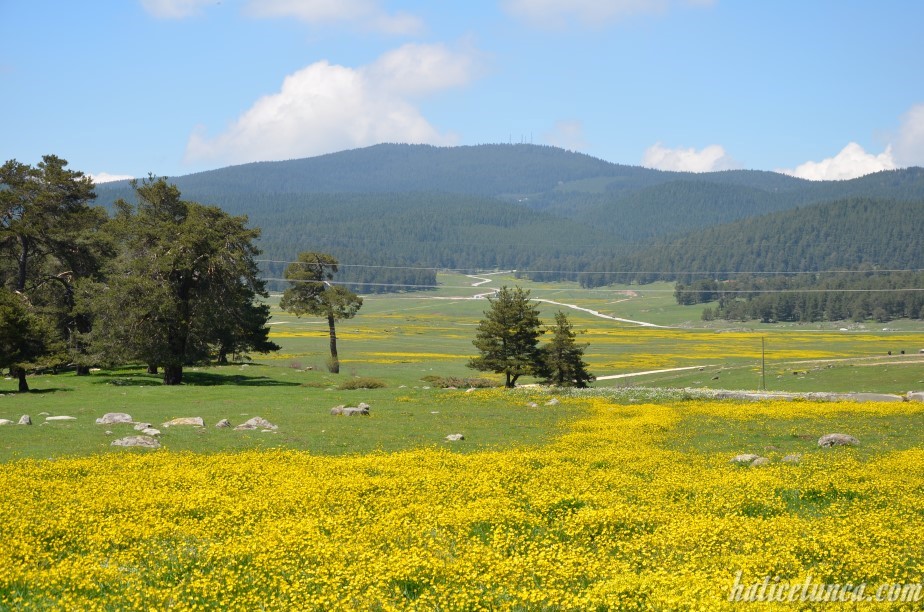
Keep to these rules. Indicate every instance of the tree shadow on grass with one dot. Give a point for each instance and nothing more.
(192, 379)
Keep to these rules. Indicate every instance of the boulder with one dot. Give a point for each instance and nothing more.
(792, 458)
(364, 406)
(6, 422)
(532, 405)
(915, 396)
(348, 411)
(454, 437)
(337, 410)
(141, 426)
(745, 459)
(760, 461)
(142, 441)
(150, 431)
(837, 439)
(223, 423)
(553, 402)
(114, 417)
(256, 423)
(194, 421)
(60, 418)
(25, 420)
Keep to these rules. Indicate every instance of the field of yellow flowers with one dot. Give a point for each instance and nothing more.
(612, 514)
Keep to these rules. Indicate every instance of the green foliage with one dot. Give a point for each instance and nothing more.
(312, 293)
(562, 359)
(184, 282)
(458, 382)
(25, 338)
(507, 337)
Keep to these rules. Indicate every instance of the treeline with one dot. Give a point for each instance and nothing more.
(869, 295)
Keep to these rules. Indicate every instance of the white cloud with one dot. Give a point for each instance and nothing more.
(567, 135)
(105, 177)
(368, 14)
(909, 142)
(851, 162)
(709, 159)
(590, 13)
(174, 9)
(325, 107)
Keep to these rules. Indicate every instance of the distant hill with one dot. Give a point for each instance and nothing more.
(520, 206)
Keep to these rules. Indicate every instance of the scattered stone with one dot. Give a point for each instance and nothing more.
(875, 397)
(350, 411)
(454, 437)
(108, 433)
(532, 405)
(223, 423)
(44, 413)
(364, 406)
(25, 420)
(760, 461)
(256, 423)
(111, 418)
(150, 431)
(141, 426)
(746, 459)
(434, 412)
(837, 439)
(6, 422)
(553, 402)
(470, 390)
(915, 396)
(194, 421)
(771, 448)
(60, 418)
(792, 458)
(337, 410)
(142, 441)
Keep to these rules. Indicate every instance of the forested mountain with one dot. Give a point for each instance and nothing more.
(554, 213)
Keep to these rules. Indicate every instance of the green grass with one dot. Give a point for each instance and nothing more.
(403, 339)
(297, 402)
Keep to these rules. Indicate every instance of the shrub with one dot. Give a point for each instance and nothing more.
(362, 382)
(444, 382)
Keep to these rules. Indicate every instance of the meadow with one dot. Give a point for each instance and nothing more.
(617, 497)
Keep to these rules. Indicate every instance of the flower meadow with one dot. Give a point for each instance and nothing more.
(614, 513)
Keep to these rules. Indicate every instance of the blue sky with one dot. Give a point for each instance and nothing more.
(127, 87)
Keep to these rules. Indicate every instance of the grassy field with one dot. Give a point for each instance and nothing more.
(618, 497)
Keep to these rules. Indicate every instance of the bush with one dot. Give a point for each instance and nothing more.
(362, 382)
(444, 382)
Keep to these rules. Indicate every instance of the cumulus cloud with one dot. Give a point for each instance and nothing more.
(909, 142)
(851, 162)
(325, 107)
(174, 9)
(709, 159)
(567, 135)
(105, 177)
(369, 14)
(591, 13)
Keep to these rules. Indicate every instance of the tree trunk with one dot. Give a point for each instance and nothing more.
(23, 385)
(334, 365)
(83, 370)
(152, 369)
(173, 374)
(222, 356)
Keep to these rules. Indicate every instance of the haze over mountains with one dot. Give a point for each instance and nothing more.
(558, 214)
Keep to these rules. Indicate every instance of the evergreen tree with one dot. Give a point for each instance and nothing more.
(563, 359)
(184, 279)
(24, 337)
(312, 293)
(508, 336)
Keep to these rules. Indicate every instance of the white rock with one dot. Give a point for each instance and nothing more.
(194, 421)
(793, 458)
(915, 396)
(140, 426)
(454, 437)
(223, 423)
(25, 420)
(553, 402)
(760, 461)
(114, 417)
(746, 458)
(533, 405)
(6, 422)
(837, 439)
(60, 418)
(142, 441)
(256, 423)
(337, 410)
(150, 431)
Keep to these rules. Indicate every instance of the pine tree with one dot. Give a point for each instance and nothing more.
(508, 336)
(563, 359)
